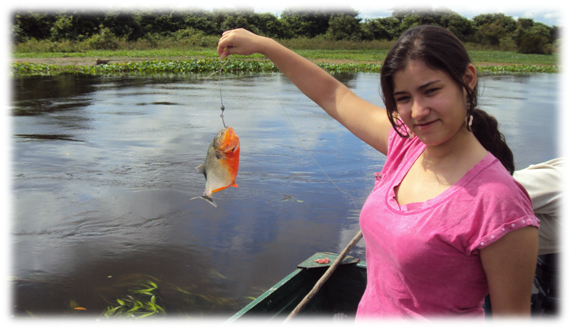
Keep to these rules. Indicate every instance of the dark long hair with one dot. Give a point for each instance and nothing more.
(440, 49)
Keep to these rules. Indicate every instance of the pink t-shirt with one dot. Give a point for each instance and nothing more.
(422, 258)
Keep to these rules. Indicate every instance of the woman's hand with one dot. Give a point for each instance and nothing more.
(240, 42)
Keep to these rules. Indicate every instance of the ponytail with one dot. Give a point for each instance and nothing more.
(485, 128)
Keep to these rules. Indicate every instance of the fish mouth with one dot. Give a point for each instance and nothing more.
(229, 133)
(229, 140)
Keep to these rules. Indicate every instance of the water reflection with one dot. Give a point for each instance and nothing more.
(527, 113)
(43, 95)
(103, 170)
(42, 137)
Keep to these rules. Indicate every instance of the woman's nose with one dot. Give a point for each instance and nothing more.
(419, 110)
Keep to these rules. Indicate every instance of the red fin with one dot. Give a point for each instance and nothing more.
(219, 189)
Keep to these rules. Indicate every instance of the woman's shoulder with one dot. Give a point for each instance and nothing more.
(398, 144)
(401, 150)
(492, 181)
(499, 204)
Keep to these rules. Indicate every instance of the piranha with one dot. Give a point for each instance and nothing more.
(221, 165)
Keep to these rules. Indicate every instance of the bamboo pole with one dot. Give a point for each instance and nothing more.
(325, 276)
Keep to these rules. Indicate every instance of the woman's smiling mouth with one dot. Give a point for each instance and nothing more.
(424, 126)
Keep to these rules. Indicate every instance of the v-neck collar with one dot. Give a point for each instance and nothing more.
(421, 206)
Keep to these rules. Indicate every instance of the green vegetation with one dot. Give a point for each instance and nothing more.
(134, 296)
(134, 54)
(162, 41)
(512, 57)
(356, 55)
(144, 304)
(80, 30)
(233, 65)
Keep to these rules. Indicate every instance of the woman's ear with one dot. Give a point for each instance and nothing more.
(470, 76)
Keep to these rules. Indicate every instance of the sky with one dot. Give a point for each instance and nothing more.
(550, 12)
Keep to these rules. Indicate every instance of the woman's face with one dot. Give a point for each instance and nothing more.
(431, 104)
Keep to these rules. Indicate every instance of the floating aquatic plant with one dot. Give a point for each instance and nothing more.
(144, 304)
(233, 65)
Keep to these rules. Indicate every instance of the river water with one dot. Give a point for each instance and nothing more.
(102, 170)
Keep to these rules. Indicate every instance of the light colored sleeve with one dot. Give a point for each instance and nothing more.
(543, 184)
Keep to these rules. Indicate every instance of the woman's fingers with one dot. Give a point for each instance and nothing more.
(222, 49)
(225, 45)
(239, 41)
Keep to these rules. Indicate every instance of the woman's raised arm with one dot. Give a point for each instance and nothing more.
(365, 120)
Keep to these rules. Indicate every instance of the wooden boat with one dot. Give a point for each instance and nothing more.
(339, 296)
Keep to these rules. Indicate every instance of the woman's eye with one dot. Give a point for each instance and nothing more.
(432, 90)
(402, 99)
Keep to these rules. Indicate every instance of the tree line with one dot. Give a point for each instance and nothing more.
(497, 29)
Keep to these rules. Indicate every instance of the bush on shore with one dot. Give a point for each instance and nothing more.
(200, 28)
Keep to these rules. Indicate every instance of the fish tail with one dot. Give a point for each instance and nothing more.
(207, 198)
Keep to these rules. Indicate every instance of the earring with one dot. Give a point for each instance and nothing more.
(469, 122)
(410, 133)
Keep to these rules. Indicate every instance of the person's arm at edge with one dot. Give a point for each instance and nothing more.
(510, 264)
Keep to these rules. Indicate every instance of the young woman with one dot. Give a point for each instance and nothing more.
(445, 224)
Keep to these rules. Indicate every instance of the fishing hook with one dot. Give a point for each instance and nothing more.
(221, 101)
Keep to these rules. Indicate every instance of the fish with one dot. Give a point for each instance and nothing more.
(221, 165)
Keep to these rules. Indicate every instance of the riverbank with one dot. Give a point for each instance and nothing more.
(148, 65)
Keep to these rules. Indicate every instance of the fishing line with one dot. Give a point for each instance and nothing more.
(221, 101)
(306, 150)
(219, 84)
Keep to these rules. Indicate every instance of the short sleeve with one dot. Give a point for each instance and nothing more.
(502, 206)
(504, 229)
